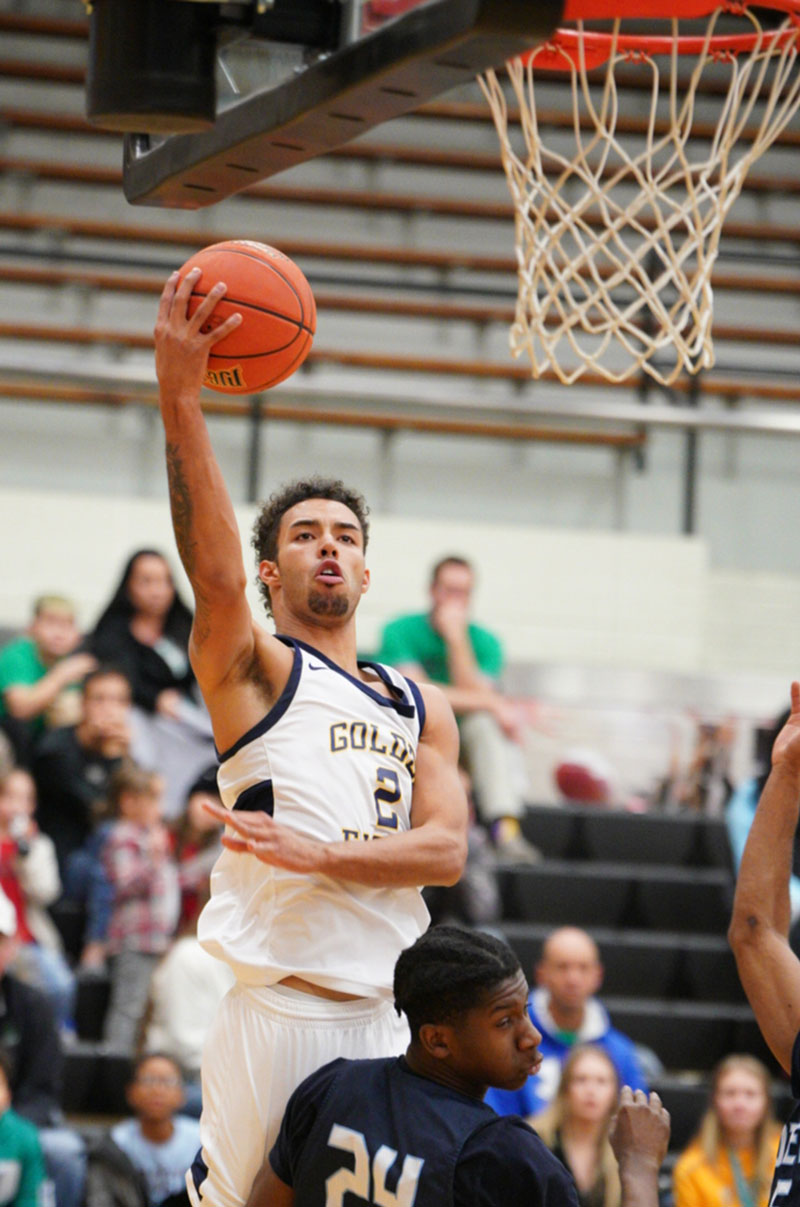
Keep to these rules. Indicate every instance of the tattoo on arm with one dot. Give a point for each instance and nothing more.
(180, 501)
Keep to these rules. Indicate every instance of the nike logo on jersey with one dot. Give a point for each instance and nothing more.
(312, 667)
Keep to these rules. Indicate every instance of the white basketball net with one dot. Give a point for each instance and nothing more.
(616, 239)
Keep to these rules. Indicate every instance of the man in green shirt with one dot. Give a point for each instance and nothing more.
(23, 1180)
(38, 675)
(445, 647)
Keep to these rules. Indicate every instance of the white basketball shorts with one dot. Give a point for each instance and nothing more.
(262, 1044)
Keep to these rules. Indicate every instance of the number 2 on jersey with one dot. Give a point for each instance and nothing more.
(387, 792)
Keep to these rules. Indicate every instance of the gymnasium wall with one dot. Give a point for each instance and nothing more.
(603, 600)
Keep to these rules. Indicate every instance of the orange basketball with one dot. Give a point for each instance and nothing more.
(279, 315)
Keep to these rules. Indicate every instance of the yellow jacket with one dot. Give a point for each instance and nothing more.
(698, 1183)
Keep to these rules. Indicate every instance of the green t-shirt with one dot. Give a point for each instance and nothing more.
(19, 664)
(22, 1172)
(413, 639)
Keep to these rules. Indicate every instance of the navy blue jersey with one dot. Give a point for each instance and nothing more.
(786, 1182)
(371, 1131)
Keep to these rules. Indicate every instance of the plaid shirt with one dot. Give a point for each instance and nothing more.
(145, 882)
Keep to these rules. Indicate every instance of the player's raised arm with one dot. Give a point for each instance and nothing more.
(205, 527)
(759, 931)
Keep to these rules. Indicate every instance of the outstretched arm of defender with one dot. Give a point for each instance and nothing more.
(759, 931)
(205, 527)
(433, 851)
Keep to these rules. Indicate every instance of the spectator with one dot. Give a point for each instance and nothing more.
(759, 933)
(22, 1172)
(144, 880)
(564, 1009)
(39, 673)
(29, 878)
(73, 765)
(143, 1161)
(466, 661)
(576, 1124)
(196, 844)
(145, 632)
(731, 1160)
(29, 1034)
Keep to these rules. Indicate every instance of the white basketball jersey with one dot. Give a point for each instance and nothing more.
(334, 759)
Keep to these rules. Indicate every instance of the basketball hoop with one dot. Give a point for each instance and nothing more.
(617, 234)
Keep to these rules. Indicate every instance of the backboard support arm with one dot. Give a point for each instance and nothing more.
(411, 60)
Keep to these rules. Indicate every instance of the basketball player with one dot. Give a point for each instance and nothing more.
(339, 781)
(759, 934)
(414, 1129)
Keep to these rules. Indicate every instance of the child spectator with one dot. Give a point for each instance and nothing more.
(73, 764)
(143, 1161)
(22, 1174)
(197, 841)
(29, 878)
(38, 675)
(144, 881)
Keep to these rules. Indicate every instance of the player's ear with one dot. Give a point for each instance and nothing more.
(435, 1039)
(365, 582)
(269, 573)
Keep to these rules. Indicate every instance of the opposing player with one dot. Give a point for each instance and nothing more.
(414, 1129)
(339, 781)
(759, 933)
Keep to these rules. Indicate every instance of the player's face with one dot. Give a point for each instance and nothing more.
(496, 1043)
(740, 1102)
(592, 1091)
(319, 571)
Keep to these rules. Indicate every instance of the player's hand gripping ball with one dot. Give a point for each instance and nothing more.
(279, 315)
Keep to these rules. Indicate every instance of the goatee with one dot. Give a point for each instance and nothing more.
(322, 603)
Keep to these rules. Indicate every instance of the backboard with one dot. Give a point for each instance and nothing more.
(306, 98)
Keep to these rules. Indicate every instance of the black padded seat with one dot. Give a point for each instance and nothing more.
(638, 838)
(692, 900)
(566, 893)
(714, 844)
(95, 1079)
(709, 971)
(686, 1035)
(550, 828)
(91, 1004)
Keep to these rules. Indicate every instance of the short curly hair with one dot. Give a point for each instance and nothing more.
(447, 972)
(268, 521)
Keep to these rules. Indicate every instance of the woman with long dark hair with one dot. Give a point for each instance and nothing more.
(145, 631)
